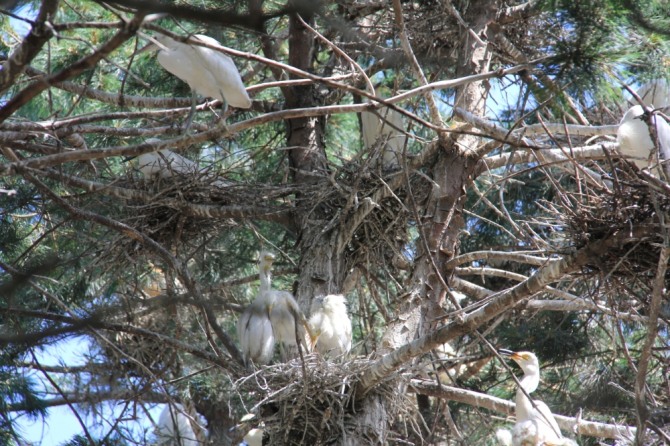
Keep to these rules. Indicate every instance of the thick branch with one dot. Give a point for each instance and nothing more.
(476, 399)
(546, 275)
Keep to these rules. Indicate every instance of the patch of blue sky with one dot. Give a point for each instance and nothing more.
(60, 423)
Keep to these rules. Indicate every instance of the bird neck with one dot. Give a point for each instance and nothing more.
(524, 407)
(266, 279)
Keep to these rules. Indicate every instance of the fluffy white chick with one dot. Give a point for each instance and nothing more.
(330, 325)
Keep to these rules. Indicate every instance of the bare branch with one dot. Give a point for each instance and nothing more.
(476, 399)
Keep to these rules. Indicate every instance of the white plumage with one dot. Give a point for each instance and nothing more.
(635, 141)
(283, 316)
(208, 72)
(174, 427)
(330, 324)
(655, 93)
(270, 319)
(387, 131)
(254, 436)
(165, 164)
(535, 424)
(254, 329)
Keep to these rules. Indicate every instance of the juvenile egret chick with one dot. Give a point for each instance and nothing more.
(535, 424)
(386, 130)
(208, 72)
(635, 141)
(165, 164)
(254, 328)
(655, 93)
(174, 427)
(330, 324)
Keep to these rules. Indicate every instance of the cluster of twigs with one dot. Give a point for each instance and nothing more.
(634, 211)
(313, 403)
(140, 353)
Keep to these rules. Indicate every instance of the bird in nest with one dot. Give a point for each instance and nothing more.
(330, 325)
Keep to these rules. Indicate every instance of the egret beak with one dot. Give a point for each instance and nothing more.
(313, 338)
(505, 352)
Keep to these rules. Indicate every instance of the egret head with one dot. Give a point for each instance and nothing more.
(634, 112)
(526, 360)
(265, 260)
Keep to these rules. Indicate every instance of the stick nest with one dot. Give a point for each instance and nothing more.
(186, 210)
(320, 408)
(634, 212)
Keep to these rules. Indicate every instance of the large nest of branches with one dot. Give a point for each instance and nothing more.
(315, 404)
(633, 213)
(186, 210)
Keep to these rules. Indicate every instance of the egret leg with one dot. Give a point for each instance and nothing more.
(191, 113)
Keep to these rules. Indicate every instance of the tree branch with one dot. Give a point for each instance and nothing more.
(476, 399)
(549, 273)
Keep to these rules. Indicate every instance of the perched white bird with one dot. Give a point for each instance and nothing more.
(535, 424)
(655, 93)
(330, 324)
(166, 164)
(174, 427)
(254, 329)
(208, 72)
(635, 141)
(385, 129)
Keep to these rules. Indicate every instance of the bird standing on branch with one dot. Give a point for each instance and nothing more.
(535, 424)
(634, 137)
(207, 71)
(330, 325)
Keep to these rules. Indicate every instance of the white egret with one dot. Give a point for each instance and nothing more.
(655, 93)
(174, 427)
(385, 129)
(207, 71)
(330, 324)
(166, 164)
(254, 329)
(535, 424)
(635, 141)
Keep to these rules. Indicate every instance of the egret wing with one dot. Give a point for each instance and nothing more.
(225, 82)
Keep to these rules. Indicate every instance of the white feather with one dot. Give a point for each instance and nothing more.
(174, 427)
(655, 93)
(386, 131)
(208, 72)
(635, 141)
(330, 324)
